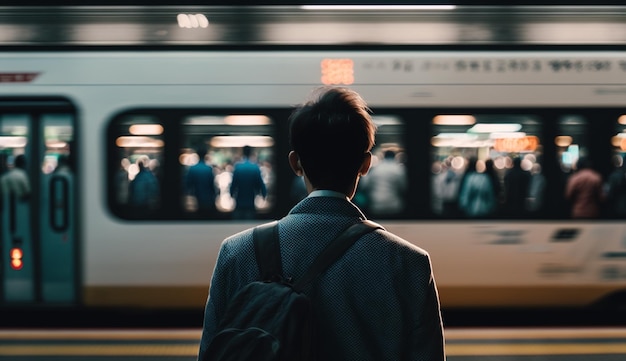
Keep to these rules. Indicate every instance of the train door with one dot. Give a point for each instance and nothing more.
(38, 246)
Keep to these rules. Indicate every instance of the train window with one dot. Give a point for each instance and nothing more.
(486, 165)
(59, 138)
(138, 178)
(13, 134)
(192, 164)
(227, 166)
(382, 193)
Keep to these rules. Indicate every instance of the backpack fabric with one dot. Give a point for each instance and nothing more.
(272, 319)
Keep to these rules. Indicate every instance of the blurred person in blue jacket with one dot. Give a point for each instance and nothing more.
(200, 183)
(144, 191)
(246, 184)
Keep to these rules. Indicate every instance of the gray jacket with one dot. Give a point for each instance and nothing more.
(378, 302)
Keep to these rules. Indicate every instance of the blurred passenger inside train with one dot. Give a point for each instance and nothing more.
(584, 190)
(536, 191)
(616, 188)
(490, 170)
(516, 186)
(385, 186)
(200, 183)
(446, 185)
(247, 183)
(379, 301)
(64, 165)
(477, 197)
(15, 181)
(144, 191)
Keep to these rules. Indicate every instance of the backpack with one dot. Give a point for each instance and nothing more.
(272, 319)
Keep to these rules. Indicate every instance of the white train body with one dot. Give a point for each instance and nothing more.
(165, 260)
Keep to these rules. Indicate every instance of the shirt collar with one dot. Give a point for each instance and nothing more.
(327, 193)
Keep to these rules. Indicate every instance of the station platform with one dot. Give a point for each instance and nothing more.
(462, 344)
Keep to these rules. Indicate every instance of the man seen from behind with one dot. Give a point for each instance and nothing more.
(377, 302)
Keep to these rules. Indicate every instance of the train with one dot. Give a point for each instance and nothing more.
(87, 121)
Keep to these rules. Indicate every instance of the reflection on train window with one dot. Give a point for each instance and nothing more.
(227, 166)
(138, 181)
(382, 192)
(486, 166)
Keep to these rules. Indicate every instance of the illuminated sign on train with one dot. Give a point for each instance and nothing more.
(528, 143)
(337, 71)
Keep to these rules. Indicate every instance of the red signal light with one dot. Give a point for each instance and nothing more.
(16, 258)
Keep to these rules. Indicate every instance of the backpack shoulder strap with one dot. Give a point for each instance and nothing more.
(334, 250)
(267, 250)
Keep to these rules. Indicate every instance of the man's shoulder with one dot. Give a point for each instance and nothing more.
(239, 237)
(398, 242)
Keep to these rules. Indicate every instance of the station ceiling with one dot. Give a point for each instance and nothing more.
(310, 24)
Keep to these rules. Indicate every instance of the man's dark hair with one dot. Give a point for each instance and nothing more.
(247, 151)
(20, 161)
(331, 135)
(390, 154)
(202, 151)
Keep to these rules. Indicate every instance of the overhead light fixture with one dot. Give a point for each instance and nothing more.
(508, 135)
(454, 120)
(238, 141)
(146, 129)
(13, 141)
(378, 7)
(495, 128)
(563, 141)
(138, 142)
(192, 21)
(247, 120)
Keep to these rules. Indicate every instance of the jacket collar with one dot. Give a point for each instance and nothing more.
(327, 205)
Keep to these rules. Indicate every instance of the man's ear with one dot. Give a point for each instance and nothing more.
(367, 162)
(294, 162)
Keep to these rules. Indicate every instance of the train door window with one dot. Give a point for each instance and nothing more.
(227, 164)
(138, 155)
(382, 192)
(58, 210)
(616, 182)
(483, 165)
(37, 208)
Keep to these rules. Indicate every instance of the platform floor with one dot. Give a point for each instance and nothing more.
(462, 344)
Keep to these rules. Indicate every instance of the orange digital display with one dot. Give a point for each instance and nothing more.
(512, 145)
(337, 71)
